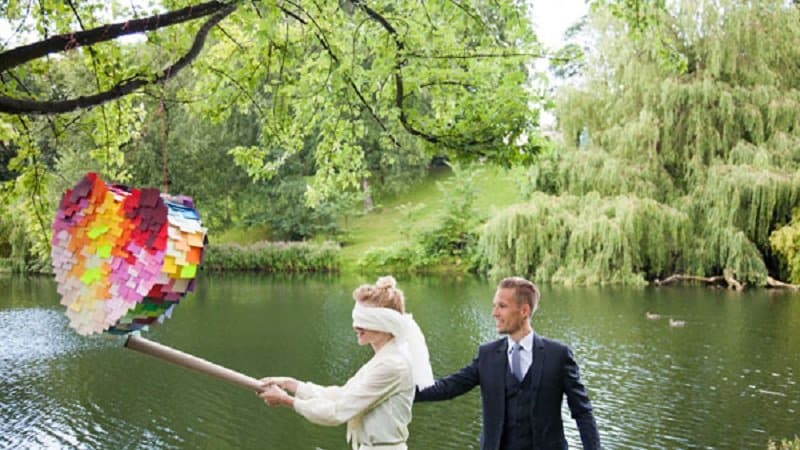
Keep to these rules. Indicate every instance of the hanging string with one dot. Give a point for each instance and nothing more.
(162, 113)
(162, 108)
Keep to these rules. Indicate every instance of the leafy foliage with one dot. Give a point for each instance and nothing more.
(688, 110)
(585, 239)
(747, 198)
(785, 241)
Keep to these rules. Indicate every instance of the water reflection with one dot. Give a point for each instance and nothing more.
(728, 379)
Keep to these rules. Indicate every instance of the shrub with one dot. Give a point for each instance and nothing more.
(396, 258)
(785, 242)
(785, 444)
(450, 242)
(273, 257)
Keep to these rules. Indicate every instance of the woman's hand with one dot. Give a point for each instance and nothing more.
(273, 395)
(288, 384)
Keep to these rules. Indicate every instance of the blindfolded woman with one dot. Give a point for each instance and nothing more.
(376, 402)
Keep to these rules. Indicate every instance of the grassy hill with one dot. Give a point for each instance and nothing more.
(388, 224)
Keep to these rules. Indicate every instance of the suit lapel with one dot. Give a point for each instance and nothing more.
(499, 367)
(501, 358)
(538, 363)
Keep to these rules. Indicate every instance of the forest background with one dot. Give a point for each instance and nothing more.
(310, 134)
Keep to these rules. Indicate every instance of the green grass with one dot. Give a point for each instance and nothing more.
(242, 236)
(383, 226)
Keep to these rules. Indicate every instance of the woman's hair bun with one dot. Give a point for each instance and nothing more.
(387, 282)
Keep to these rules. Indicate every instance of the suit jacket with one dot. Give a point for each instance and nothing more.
(554, 374)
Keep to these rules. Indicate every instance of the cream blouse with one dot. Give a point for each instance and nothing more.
(376, 402)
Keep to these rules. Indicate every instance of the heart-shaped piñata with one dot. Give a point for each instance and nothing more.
(113, 255)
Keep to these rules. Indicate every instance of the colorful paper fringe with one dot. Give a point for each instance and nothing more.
(123, 257)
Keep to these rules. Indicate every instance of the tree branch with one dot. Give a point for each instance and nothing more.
(323, 41)
(239, 86)
(773, 283)
(16, 106)
(231, 38)
(678, 277)
(21, 23)
(477, 55)
(726, 279)
(64, 42)
(400, 86)
(398, 76)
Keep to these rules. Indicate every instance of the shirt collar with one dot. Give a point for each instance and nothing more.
(526, 342)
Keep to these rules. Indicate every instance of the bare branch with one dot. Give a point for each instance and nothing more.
(466, 86)
(477, 55)
(238, 85)
(726, 279)
(16, 106)
(21, 23)
(773, 283)
(427, 15)
(471, 14)
(64, 42)
(231, 38)
(293, 15)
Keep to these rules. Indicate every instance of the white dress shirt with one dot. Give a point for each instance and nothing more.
(525, 353)
(376, 402)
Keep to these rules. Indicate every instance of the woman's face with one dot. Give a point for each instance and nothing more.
(370, 336)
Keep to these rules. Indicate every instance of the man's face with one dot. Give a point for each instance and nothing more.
(509, 316)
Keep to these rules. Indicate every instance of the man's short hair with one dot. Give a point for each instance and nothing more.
(525, 292)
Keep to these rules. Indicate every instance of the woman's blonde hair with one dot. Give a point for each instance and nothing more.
(383, 294)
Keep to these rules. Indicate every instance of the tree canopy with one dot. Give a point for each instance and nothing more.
(452, 75)
(355, 89)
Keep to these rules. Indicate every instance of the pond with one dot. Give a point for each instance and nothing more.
(728, 379)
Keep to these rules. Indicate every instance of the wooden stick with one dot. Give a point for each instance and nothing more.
(188, 361)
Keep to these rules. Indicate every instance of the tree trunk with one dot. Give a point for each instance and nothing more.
(368, 203)
(773, 283)
(727, 280)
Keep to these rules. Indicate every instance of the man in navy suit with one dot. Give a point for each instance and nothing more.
(523, 379)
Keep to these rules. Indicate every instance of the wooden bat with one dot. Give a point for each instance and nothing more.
(188, 361)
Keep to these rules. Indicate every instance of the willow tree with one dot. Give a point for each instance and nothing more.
(585, 239)
(693, 104)
(355, 80)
